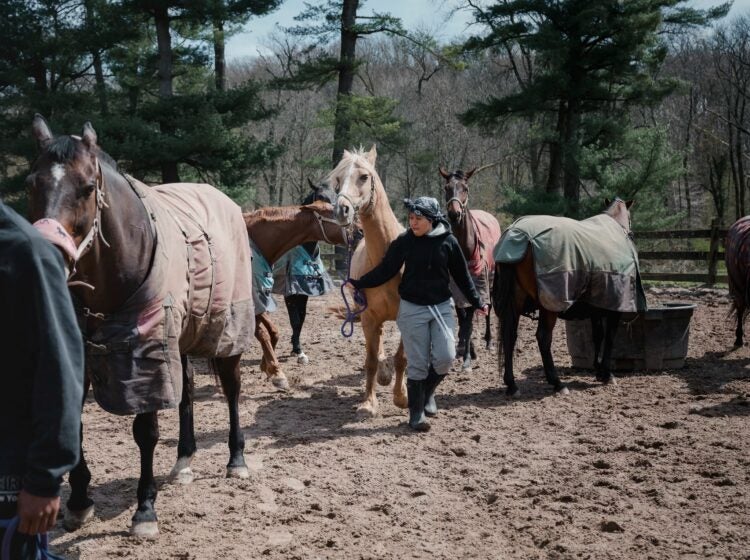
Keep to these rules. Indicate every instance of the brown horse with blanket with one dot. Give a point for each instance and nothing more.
(157, 273)
(737, 257)
(571, 269)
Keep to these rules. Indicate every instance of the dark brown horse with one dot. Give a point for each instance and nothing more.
(516, 291)
(75, 184)
(276, 230)
(737, 257)
(477, 232)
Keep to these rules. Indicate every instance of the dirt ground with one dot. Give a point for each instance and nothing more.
(656, 467)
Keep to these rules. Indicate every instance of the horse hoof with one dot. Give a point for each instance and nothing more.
(513, 393)
(74, 520)
(145, 529)
(562, 391)
(302, 359)
(401, 401)
(466, 366)
(183, 476)
(365, 411)
(280, 382)
(611, 380)
(385, 372)
(238, 472)
(181, 472)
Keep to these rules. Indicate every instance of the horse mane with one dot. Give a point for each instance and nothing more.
(65, 148)
(283, 213)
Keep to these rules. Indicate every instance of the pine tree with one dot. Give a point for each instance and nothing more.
(596, 59)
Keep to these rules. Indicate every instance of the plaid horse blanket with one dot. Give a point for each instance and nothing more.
(591, 261)
(197, 300)
(737, 257)
(482, 263)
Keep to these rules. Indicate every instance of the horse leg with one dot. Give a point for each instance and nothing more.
(461, 345)
(80, 506)
(267, 334)
(296, 306)
(547, 320)
(597, 332)
(146, 435)
(469, 353)
(612, 322)
(508, 299)
(373, 332)
(739, 335)
(229, 375)
(399, 387)
(488, 331)
(181, 472)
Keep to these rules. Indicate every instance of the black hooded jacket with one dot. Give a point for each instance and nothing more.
(430, 261)
(41, 376)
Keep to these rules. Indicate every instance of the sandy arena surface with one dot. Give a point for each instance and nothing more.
(656, 467)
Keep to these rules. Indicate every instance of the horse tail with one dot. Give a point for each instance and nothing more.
(503, 295)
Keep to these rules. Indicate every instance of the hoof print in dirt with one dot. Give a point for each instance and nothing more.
(612, 527)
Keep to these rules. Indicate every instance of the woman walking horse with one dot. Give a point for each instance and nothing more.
(158, 273)
(571, 269)
(477, 233)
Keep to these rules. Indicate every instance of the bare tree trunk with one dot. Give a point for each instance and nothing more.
(220, 64)
(347, 55)
(554, 176)
(169, 171)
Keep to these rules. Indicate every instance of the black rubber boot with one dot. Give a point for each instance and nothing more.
(431, 383)
(416, 393)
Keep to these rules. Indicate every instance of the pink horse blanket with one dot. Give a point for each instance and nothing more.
(197, 300)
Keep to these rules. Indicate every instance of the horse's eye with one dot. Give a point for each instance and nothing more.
(364, 178)
(87, 190)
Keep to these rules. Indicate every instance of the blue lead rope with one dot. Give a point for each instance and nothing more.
(42, 542)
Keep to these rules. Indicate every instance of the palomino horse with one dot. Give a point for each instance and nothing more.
(571, 269)
(737, 257)
(477, 232)
(147, 292)
(361, 192)
(274, 231)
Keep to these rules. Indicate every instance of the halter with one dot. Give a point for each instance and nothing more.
(463, 205)
(370, 203)
(322, 220)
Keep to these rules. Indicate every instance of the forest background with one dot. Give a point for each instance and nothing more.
(559, 103)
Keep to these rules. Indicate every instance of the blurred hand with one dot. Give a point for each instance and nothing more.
(484, 310)
(37, 514)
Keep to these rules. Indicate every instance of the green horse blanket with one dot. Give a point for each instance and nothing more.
(592, 261)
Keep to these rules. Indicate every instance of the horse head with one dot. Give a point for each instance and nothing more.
(354, 182)
(456, 193)
(619, 211)
(65, 188)
(321, 191)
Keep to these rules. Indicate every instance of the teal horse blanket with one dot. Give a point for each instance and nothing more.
(592, 261)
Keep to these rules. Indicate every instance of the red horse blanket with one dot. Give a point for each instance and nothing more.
(482, 263)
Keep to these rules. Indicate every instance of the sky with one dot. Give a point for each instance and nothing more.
(432, 15)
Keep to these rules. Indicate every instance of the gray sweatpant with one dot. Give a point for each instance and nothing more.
(427, 332)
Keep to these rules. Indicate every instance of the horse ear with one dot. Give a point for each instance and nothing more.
(629, 203)
(372, 155)
(443, 172)
(468, 174)
(89, 135)
(607, 202)
(346, 154)
(41, 130)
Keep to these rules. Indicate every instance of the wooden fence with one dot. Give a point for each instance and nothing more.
(711, 258)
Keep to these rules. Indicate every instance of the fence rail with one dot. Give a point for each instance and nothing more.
(712, 257)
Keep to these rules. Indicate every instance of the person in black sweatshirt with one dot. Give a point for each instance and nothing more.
(41, 380)
(430, 255)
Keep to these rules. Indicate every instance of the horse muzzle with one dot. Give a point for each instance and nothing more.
(344, 213)
(54, 232)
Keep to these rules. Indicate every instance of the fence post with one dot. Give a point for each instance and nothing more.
(713, 251)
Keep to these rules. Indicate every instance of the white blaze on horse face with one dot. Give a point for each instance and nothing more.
(58, 172)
